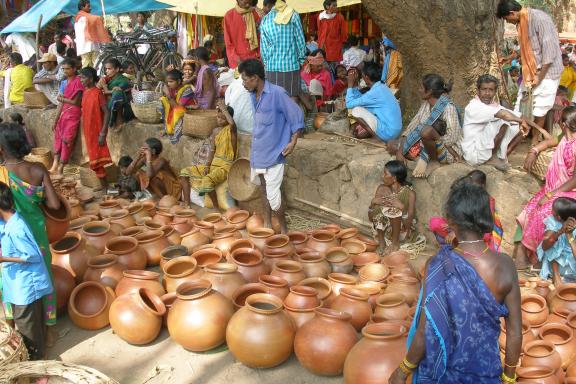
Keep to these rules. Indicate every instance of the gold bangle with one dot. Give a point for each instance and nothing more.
(511, 366)
(507, 379)
(549, 195)
(408, 364)
(405, 369)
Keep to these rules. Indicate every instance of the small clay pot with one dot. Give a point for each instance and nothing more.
(193, 239)
(541, 353)
(277, 244)
(298, 240)
(185, 216)
(348, 233)
(275, 285)
(71, 253)
(123, 218)
(302, 297)
(179, 271)
(363, 259)
(137, 211)
(89, 305)
(208, 256)
(225, 278)
(355, 302)
(162, 217)
(206, 228)
(339, 281)
(57, 221)
(167, 202)
(107, 207)
(289, 270)
(371, 245)
(128, 251)
(339, 260)
(250, 263)
(238, 219)
(172, 252)
(374, 272)
(392, 306)
(534, 309)
(321, 241)
(97, 234)
(153, 243)
(134, 280)
(259, 236)
(242, 293)
(543, 288)
(321, 285)
(561, 336)
(105, 269)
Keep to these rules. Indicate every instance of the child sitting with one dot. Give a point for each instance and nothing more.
(18, 119)
(25, 277)
(131, 186)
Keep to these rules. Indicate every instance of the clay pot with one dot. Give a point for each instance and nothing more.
(541, 353)
(122, 217)
(527, 335)
(334, 228)
(225, 278)
(355, 302)
(152, 225)
(571, 370)
(347, 233)
(137, 211)
(223, 241)
(339, 259)
(208, 256)
(371, 245)
(128, 251)
(561, 336)
(64, 283)
(298, 240)
(238, 219)
(315, 265)
(321, 285)
(97, 234)
(167, 202)
(215, 219)
(402, 270)
(537, 374)
(278, 244)
(194, 239)
(75, 209)
(322, 241)
(105, 269)
(275, 285)
(339, 281)
(254, 221)
(241, 243)
(300, 316)
(89, 305)
(133, 231)
(250, 263)
(370, 360)
(137, 318)
(107, 207)
(323, 353)
(242, 293)
(150, 207)
(252, 329)
(57, 221)
(558, 316)
(171, 235)
(534, 309)
(354, 246)
(168, 299)
(565, 297)
(180, 270)
(162, 217)
(406, 285)
(571, 321)
(396, 259)
(206, 228)
(374, 272)
(77, 224)
(199, 316)
(72, 254)
(153, 243)
(373, 289)
(543, 288)
(363, 259)
(301, 297)
(185, 216)
(392, 306)
(271, 257)
(319, 119)
(230, 211)
(289, 270)
(259, 236)
(134, 280)
(172, 252)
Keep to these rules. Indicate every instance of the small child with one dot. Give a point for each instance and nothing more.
(18, 119)
(341, 83)
(560, 102)
(25, 278)
(130, 186)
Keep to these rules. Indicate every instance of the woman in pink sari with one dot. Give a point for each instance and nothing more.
(560, 182)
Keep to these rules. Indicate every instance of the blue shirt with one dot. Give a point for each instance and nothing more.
(276, 118)
(380, 101)
(282, 46)
(22, 283)
(560, 253)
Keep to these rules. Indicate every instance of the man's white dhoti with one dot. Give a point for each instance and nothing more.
(273, 177)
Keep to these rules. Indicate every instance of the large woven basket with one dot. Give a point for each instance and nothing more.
(200, 123)
(145, 97)
(540, 166)
(35, 99)
(147, 113)
(55, 371)
(239, 184)
(40, 155)
(89, 179)
(12, 348)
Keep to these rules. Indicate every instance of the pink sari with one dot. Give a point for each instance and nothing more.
(560, 170)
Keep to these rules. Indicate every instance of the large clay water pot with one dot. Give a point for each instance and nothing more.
(72, 254)
(565, 297)
(321, 352)
(206, 228)
(242, 293)
(238, 219)
(275, 285)
(224, 278)
(153, 243)
(208, 256)
(298, 240)
(162, 217)
(250, 264)
(123, 218)
(278, 243)
(128, 251)
(172, 252)
(406, 285)
(199, 316)
(355, 302)
(322, 241)
(392, 306)
(215, 219)
(315, 265)
(179, 271)
(134, 280)
(137, 211)
(339, 281)
(339, 260)
(289, 270)
(224, 238)
(97, 234)
(194, 239)
(260, 334)
(536, 374)
(259, 236)
(301, 297)
(370, 360)
(89, 305)
(374, 272)
(167, 202)
(172, 235)
(321, 285)
(57, 221)
(534, 309)
(541, 353)
(373, 289)
(561, 336)
(64, 283)
(105, 269)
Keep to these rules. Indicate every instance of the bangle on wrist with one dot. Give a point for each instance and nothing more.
(505, 378)
(405, 369)
(549, 195)
(408, 364)
(535, 151)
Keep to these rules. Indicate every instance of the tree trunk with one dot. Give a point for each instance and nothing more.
(454, 38)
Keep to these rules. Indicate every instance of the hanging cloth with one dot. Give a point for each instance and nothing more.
(284, 14)
(529, 67)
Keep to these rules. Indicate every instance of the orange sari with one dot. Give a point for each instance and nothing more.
(92, 121)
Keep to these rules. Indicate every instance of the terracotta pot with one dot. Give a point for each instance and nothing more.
(238, 219)
(206, 228)
(322, 241)
(77, 224)
(363, 259)
(198, 318)
(64, 283)
(561, 336)
(537, 374)
(172, 252)
(254, 221)
(571, 321)
(396, 258)
(152, 225)
(373, 289)
(339, 260)
(347, 233)
(355, 302)
(571, 370)
(289, 270)
(209, 256)
(179, 271)
(266, 321)
(315, 265)
(565, 297)
(107, 207)
(241, 243)
(392, 306)
(185, 216)
(354, 246)
(406, 285)
(541, 353)
(161, 217)
(89, 305)
(57, 221)
(278, 244)
(339, 281)
(194, 239)
(334, 228)
(167, 202)
(371, 245)
(242, 293)
(122, 217)
(271, 257)
(321, 285)
(298, 240)
(75, 209)
(172, 235)
(275, 285)
(133, 231)
(543, 288)
(215, 219)
(168, 299)
(72, 254)
(230, 211)
(137, 211)
(527, 335)
(259, 236)
(558, 316)
(149, 207)
(319, 119)
(534, 309)
(402, 270)
(370, 360)
(301, 297)
(223, 241)
(97, 234)
(300, 316)
(250, 264)
(137, 318)
(115, 228)
(153, 243)
(134, 280)
(182, 228)
(323, 353)
(374, 272)
(225, 278)
(128, 251)
(105, 269)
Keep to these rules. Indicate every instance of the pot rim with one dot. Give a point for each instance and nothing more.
(311, 258)
(241, 213)
(323, 232)
(137, 228)
(159, 307)
(203, 284)
(372, 331)
(533, 297)
(297, 234)
(288, 266)
(152, 225)
(212, 218)
(201, 224)
(101, 223)
(99, 286)
(240, 241)
(209, 251)
(522, 371)
(564, 327)
(342, 278)
(300, 310)
(273, 281)
(186, 212)
(174, 248)
(135, 207)
(400, 299)
(112, 259)
(73, 234)
(139, 274)
(338, 258)
(354, 294)
(64, 205)
(533, 343)
(149, 236)
(222, 268)
(565, 287)
(346, 232)
(333, 314)
(193, 231)
(354, 241)
(261, 233)
(180, 260)
(82, 219)
(257, 287)
(118, 239)
(267, 299)
(366, 271)
(119, 214)
(286, 241)
(370, 288)
(303, 290)
(319, 280)
(251, 251)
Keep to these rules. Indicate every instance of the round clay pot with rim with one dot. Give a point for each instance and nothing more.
(558, 316)
(536, 374)
(77, 224)
(199, 316)
(150, 207)
(72, 254)
(339, 260)
(208, 256)
(298, 240)
(275, 285)
(300, 316)
(215, 219)
(253, 327)
(107, 207)
(238, 219)
(339, 281)
(162, 217)
(206, 228)
(254, 221)
(259, 236)
(534, 309)
(347, 233)
(57, 221)
(333, 228)
(152, 225)
(355, 302)
(97, 234)
(167, 202)
(137, 318)
(185, 216)
(561, 336)
(315, 265)
(193, 239)
(392, 306)
(241, 243)
(321, 241)
(396, 258)
(134, 280)
(105, 269)
(168, 299)
(172, 235)
(271, 257)
(242, 293)
(153, 243)
(137, 211)
(278, 243)
(373, 289)
(64, 284)
(374, 272)
(541, 353)
(89, 305)
(302, 297)
(324, 353)
(179, 271)
(363, 259)
(321, 285)
(371, 245)
(128, 251)
(565, 297)
(289, 270)
(250, 263)
(122, 217)
(225, 278)
(406, 285)
(224, 240)
(172, 252)
(353, 246)
(133, 231)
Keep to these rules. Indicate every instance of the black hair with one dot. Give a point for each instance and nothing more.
(506, 6)
(17, 118)
(6, 198)
(13, 140)
(353, 40)
(569, 118)
(127, 64)
(16, 58)
(131, 185)
(468, 208)
(316, 52)
(565, 207)
(155, 145)
(373, 71)
(486, 79)
(60, 35)
(174, 75)
(562, 89)
(208, 44)
(564, 56)
(328, 3)
(230, 110)
(477, 177)
(125, 161)
(202, 53)
(114, 62)
(440, 126)
(144, 14)
(90, 73)
(82, 4)
(190, 53)
(436, 84)
(254, 3)
(398, 170)
(269, 2)
(71, 53)
(252, 67)
(339, 66)
(61, 48)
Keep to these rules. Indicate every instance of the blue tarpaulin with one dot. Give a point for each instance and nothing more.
(28, 22)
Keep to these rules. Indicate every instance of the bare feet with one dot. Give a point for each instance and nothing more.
(391, 248)
(499, 164)
(419, 171)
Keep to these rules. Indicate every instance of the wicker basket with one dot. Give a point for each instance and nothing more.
(89, 179)
(55, 371)
(200, 123)
(12, 348)
(35, 99)
(147, 113)
(239, 184)
(40, 155)
(540, 166)
(145, 97)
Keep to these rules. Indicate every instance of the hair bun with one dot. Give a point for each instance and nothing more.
(448, 86)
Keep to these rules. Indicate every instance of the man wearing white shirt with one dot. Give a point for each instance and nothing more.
(354, 56)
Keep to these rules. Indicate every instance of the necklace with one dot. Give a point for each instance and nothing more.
(14, 163)
(470, 241)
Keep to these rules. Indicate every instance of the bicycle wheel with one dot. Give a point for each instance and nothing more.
(172, 58)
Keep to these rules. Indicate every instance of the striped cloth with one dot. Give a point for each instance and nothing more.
(282, 46)
(545, 43)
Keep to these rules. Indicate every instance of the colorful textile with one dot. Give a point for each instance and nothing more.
(173, 116)
(393, 72)
(119, 98)
(69, 120)
(50, 90)
(282, 46)
(383, 214)
(95, 31)
(250, 22)
(237, 45)
(284, 12)
(529, 66)
(170, 182)
(332, 34)
(204, 99)
(568, 79)
(462, 324)
(324, 77)
(560, 253)
(92, 122)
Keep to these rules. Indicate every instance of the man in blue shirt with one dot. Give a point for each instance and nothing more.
(377, 110)
(277, 124)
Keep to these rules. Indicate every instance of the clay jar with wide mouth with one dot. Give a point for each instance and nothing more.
(250, 264)
(406, 285)
(322, 241)
(259, 236)
(565, 297)
(314, 265)
(153, 243)
(298, 240)
(353, 246)
(105, 269)
(171, 235)
(347, 233)
(172, 252)
(162, 217)
(64, 283)
(208, 256)
(72, 254)
(373, 289)
(339, 281)
(396, 259)
(241, 243)
(321, 285)
(278, 244)
(128, 251)
(89, 305)
(242, 293)
(97, 234)
(541, 353)
(224, 239)
(339, 260)
(133, 231)
(225, 278)
(137, 318)
(137, 211)
(123, 218)
(179, 271)
(57, 221)
(289, 270)
(152, 225)
(238, 219)
(215, 219)
(321, 352)
(371, 245)
(185, 216)
(199, 316)
(107, 207)
(364, 258)
(252, 328)
(77, 224)
(561, 336)
(392, 306)
(301, 297)
(355, 302)
(332, 228)
(538, 374)
(275, 285)
(527, 334)
(534, 309)
(558, 316)
(167, 202)
(168, 299)
(206, 228)
(194, 239)
(134, 280)
(374, 272)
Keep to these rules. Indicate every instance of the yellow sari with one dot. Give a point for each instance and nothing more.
(172, 116)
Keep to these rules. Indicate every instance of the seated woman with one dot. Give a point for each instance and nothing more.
(316, 74)
(162, 180)
(213, 161)
(132, 186)
(116, 88)
(188, 72)
(341, 82)
(206, 88)
(557, 252)
(393, 209)
(177, 97)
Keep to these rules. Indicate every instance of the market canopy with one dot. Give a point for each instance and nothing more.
(220, 7)
(28, 22)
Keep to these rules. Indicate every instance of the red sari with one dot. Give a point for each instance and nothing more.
(92, 121)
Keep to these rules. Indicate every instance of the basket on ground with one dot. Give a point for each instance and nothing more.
(540, 166)
(89, 179)
(199, 123)
(147, 113)
(146, 96)
(55, 371)
(239, 184)
(12, 348)
(40, 155)
(35, 99)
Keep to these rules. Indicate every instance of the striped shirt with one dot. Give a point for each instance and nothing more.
(545, 43)
(282, 46)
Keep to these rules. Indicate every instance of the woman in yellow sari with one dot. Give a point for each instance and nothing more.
(213, 160)
(177, 98)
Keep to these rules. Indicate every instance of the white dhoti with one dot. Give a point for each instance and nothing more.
(543, 97)
(366, 115)
(273, 177)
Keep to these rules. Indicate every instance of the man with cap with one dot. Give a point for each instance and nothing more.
(46, 80)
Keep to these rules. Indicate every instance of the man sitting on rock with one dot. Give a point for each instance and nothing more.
(46, 81)
(488, 127)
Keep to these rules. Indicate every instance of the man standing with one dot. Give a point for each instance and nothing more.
(241, 33)
(16, 80)
(332, 31)
(277, 124)
(90, 31)
(46, 80)
(541, 56)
